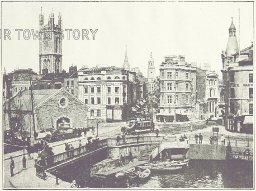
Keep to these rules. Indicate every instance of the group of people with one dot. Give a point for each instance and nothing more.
(81, 131)
(199, 138)
(69, 149)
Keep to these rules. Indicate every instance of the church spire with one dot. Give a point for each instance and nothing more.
(126, 64)
(232, 46)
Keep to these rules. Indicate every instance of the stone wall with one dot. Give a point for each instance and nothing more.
(206, 152)
(50, 111)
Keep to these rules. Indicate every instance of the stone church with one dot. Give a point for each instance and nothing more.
(53, 108)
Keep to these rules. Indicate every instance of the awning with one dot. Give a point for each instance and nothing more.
(248, 120)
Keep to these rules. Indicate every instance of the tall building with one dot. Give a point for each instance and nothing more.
(177, 90)
(238, 85)
(151, 75)
(110, 92)
(50, 45)
(212, 94)
(126, 64)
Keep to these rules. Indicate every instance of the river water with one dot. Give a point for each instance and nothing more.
(199, 174)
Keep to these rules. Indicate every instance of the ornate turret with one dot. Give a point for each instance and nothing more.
(232, 46)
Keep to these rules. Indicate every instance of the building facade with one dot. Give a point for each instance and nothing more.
(109, 92)
(50, 45)
(52, 108)
(238, 84)
(212, 95)
(177, 90)
(18, 80)
(71, 82)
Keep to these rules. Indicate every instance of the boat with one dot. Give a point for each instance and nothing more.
(144, 175)
(166, 166)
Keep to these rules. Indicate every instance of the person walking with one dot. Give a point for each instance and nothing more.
(222, 139)
(196, 138)
(79, 147)
(12, 166)
(157, 132)
(24, 162)
(138, 137)
(200, 138)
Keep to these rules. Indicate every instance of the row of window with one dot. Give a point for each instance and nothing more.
(93, 101)
(170, 99)
(251, 108)
(212, 82)
(98, 113)
(98, 89)
(232, 77)
(232, 92)
(170, 86)
(170, 75)
(71, 83)
(108, 78)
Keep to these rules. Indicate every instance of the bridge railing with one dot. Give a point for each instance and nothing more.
(133, 140)
(60, 157)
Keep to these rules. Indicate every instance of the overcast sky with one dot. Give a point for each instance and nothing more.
(199, 31)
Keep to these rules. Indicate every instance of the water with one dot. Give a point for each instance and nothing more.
(199, 174)
(207, 174)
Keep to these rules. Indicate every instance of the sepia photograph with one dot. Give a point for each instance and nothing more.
(127, 95)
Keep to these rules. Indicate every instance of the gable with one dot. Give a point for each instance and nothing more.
(62, 99)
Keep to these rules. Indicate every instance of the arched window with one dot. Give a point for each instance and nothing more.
(212, 92)
(86, 78)
(117, 78)
(92, 78)
(109, 78)
(98, 78)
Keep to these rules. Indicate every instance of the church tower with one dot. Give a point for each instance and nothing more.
(151, 75)
(126, 64)
(232, 46)
(151, 67)
(50, 45)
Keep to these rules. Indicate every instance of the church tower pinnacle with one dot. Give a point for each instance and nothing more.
(126, 64)
(232, 46)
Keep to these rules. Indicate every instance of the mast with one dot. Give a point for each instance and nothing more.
(32, 105)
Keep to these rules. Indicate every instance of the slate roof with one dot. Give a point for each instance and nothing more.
(23, 99)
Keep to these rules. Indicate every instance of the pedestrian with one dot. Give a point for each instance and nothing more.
(66, 149)
(222, 139)
(79, 147)
(117, 140)
(123, 137)
(74, 184)
(24, 162)
(187, 140)
(210, 139)
(138, 137)
(200, 138)
(157, 132)
(196, 138)
(12, 166)
(71, 150)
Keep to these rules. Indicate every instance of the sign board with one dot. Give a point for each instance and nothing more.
(215, 129)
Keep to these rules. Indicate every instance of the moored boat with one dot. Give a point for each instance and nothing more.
(166, 166)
